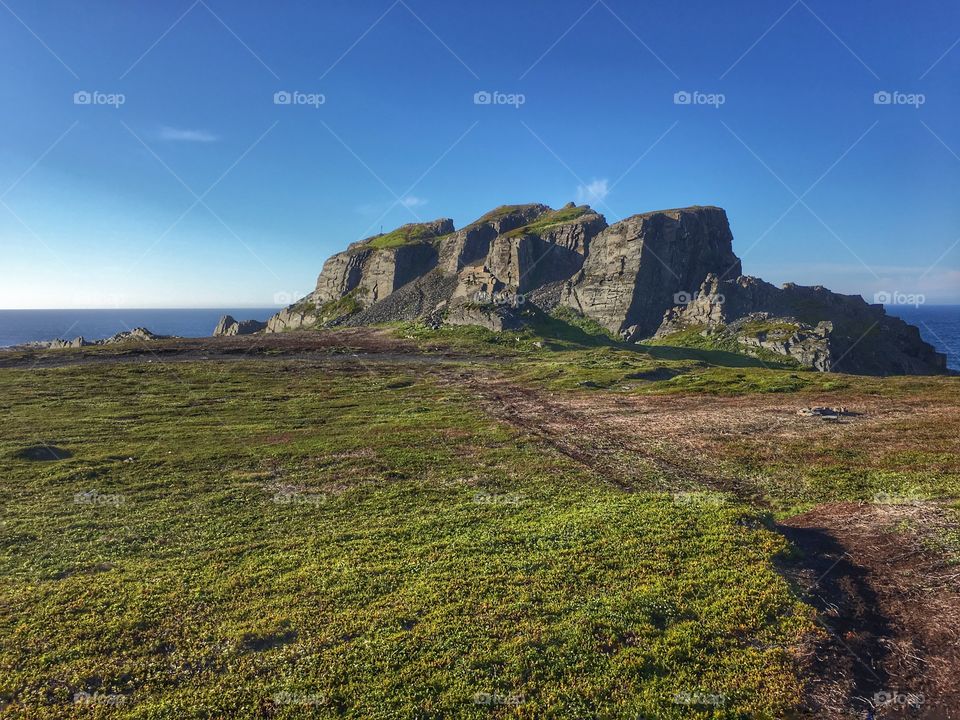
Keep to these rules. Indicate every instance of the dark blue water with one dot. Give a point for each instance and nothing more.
(939, 325)
(23, 326)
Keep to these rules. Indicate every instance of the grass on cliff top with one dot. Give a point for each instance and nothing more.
(549, 220)
(498, 213)
(280, 540)
(403, 235)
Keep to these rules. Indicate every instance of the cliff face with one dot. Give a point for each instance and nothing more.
(658, 273)
(636, 267)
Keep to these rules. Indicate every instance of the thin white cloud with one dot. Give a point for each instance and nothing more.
(594, 192)
(183, 135)
(412, 201)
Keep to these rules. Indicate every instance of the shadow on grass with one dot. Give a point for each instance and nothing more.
(586, 333)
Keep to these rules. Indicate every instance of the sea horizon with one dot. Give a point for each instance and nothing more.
(938, 324)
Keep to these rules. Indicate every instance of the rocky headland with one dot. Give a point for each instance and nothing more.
(667, 275)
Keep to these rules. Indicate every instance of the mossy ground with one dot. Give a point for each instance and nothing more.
(224, 540)
(289, 539)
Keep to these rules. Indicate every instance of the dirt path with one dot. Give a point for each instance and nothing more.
(890, 607)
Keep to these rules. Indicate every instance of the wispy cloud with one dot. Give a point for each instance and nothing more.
(412, 201)
(594, 192)
(184, 135)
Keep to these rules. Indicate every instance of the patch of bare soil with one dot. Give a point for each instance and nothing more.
(890, 606)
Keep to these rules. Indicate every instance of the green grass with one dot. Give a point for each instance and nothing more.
(404, 235)
(768, 327)
(721, 341)
(549, 220)
(497, 214)
(366, 541)
(336, 309)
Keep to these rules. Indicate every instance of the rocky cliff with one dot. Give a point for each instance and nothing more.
(813, 325)
(666, 274)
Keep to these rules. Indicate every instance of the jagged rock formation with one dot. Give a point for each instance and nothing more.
(817, 327)
(138, 333)
(228, 326)
(637, 266)
(636, 278)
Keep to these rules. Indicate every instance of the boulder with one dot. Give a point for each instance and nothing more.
(228, 326)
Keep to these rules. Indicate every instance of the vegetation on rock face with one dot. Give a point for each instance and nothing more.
(404, 235)
(337, 309)
(549, 220)
(721, 340)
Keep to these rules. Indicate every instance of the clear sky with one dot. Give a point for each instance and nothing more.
(183, 183)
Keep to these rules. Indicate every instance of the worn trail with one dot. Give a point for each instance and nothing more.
(890, 607)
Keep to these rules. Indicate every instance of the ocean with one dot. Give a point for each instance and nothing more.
(939, 324)
(23, 326)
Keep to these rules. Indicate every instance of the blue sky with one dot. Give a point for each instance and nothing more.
(182, 183)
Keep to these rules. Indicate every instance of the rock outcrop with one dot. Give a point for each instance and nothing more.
(816, 327)
(636, 267)
(139, 333)
(228, 326)
(662, 273)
